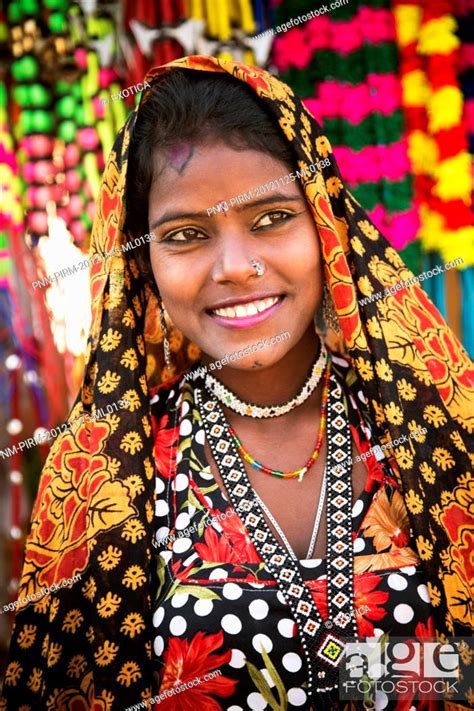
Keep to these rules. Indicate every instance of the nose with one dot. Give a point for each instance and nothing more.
(232, 260)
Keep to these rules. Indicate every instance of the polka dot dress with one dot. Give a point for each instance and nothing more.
(220, 617)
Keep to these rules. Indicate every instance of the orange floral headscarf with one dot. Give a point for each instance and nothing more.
(88, 644)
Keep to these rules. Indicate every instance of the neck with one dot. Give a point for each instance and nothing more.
(276, 383)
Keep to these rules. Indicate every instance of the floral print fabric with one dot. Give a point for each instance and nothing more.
(219, 608)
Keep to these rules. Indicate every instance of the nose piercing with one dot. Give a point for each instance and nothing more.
(259, 268)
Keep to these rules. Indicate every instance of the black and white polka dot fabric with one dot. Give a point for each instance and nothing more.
(219, 616)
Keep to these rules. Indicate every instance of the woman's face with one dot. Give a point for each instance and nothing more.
(202, 262)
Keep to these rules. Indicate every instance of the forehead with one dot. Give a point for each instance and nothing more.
(207, 173)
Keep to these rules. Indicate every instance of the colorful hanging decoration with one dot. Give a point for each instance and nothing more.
(447, 219)
(22, 375)
(465, 32)
(166, 31)
(345, 64)
(430, 53)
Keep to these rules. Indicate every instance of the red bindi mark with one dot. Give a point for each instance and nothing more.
(180, 155)
(222, 205)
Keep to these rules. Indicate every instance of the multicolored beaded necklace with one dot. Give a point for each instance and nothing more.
(296, 473)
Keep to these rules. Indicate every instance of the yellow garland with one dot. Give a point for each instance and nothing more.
(416, 91)
(422, 152)
(438, 36)
(445, 108)
(451, 244)
(453, 178)
(408, 21)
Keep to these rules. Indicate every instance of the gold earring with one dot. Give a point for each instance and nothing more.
(329, 311)
(164, 330)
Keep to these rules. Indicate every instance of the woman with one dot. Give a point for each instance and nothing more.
(219, 568)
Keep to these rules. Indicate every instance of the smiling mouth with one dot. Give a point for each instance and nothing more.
(252, 308)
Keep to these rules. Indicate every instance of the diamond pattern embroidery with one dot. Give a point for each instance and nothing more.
(287, 574)
(268, 548)
(337, 406)
(245, 505)
(240, 490)
(322, 648)
(331, 650)
(338, 424)
(340, 580)
(296, 590)
(339, 510)
(303, 608)
(342, 619)
(229, 460)
(339, 563)
(311, 627)
(340, 600)
(277, 559)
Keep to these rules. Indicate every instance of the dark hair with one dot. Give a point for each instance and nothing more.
(193, 106)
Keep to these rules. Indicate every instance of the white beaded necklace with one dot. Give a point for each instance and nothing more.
(229, 399)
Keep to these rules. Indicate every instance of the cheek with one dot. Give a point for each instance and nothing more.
(304, 260)
(178, 292)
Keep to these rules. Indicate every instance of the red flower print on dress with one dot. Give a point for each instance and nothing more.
(241, 541)
(216, 548)
(370, 600)
(412, 677)
(319, 594)
(375, 470)
(187, 661)
(366, 601)
(427, 631)
(165, 447)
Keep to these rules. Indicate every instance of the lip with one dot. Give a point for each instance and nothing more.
(246, 321)
(243, 300)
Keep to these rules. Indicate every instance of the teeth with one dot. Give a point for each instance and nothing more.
(241, 311)
(250, 309)
(265, 304)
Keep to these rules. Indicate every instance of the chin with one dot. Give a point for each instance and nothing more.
(254, 361)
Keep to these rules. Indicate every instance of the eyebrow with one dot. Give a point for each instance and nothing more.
(269, 200)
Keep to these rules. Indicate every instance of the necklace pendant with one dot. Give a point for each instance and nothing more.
(301, 475)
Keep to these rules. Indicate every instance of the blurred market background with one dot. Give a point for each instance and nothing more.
(391, 82)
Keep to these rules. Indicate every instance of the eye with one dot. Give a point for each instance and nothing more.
(185, 234)
(272, 218)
